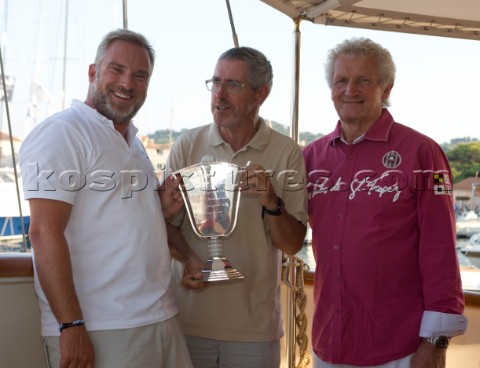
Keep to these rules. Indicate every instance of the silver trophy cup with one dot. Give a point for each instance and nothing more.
(211, 194)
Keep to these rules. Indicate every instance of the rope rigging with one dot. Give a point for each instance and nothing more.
(301, 321)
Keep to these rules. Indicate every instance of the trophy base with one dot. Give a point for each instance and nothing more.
(220, 269)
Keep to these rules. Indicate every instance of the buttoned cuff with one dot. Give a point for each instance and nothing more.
(442, 324)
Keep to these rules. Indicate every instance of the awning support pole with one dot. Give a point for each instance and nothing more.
(232, 25)
(291, 261)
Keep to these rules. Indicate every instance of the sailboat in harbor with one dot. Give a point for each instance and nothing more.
(25, 113)
(14, 211)
(13, 222)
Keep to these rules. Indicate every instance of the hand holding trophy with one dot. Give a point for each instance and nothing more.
(211, 194)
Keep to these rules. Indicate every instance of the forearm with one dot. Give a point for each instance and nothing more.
(53, 265)
(287, 232)
(429, 356)
(179, 248)
(48, 221)
(181, 251)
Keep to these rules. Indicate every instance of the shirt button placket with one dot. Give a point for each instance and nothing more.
(337, 256)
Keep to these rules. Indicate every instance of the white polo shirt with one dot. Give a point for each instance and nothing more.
(116, 233)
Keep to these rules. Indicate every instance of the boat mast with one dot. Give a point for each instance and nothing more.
(65, 43)
(125, 14)
(3, 45)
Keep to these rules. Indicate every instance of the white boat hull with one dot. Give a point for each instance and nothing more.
(466, 228)
(10, 214)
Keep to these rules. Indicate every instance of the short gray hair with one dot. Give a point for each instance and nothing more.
(363, 47)
(259, 68)
(127, 36)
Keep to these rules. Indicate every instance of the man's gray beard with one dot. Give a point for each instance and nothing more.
(103, 106)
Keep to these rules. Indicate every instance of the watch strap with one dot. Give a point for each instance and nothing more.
(276, 212)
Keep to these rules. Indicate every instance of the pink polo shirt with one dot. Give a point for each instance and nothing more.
(381, 212)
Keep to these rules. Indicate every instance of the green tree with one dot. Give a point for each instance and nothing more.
(464, 160)
(165, 135)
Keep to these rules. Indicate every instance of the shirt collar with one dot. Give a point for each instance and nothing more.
(379, 131)
(259, 141)
(77, 104)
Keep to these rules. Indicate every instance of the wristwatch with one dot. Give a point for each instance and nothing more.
(277, 211)
(440, 342)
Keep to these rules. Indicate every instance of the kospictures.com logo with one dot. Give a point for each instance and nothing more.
(128, 181)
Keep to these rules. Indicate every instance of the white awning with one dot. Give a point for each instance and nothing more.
(447, 18)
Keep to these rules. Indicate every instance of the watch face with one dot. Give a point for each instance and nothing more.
(442, 342)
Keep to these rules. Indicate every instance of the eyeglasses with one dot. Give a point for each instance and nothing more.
(229, 86)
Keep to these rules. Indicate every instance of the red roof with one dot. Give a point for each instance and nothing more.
(466, 184)
(6, 137)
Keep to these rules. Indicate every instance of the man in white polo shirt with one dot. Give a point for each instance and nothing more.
(102, 264)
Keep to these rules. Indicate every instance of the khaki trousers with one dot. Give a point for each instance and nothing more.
(160, 345)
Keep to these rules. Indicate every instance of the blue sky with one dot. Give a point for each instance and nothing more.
(436, 89)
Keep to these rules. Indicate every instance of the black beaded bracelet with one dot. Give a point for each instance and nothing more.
(78, 322)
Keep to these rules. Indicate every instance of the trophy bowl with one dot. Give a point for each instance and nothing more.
(211, 194)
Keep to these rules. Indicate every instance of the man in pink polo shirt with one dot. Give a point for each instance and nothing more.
(387, 284)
